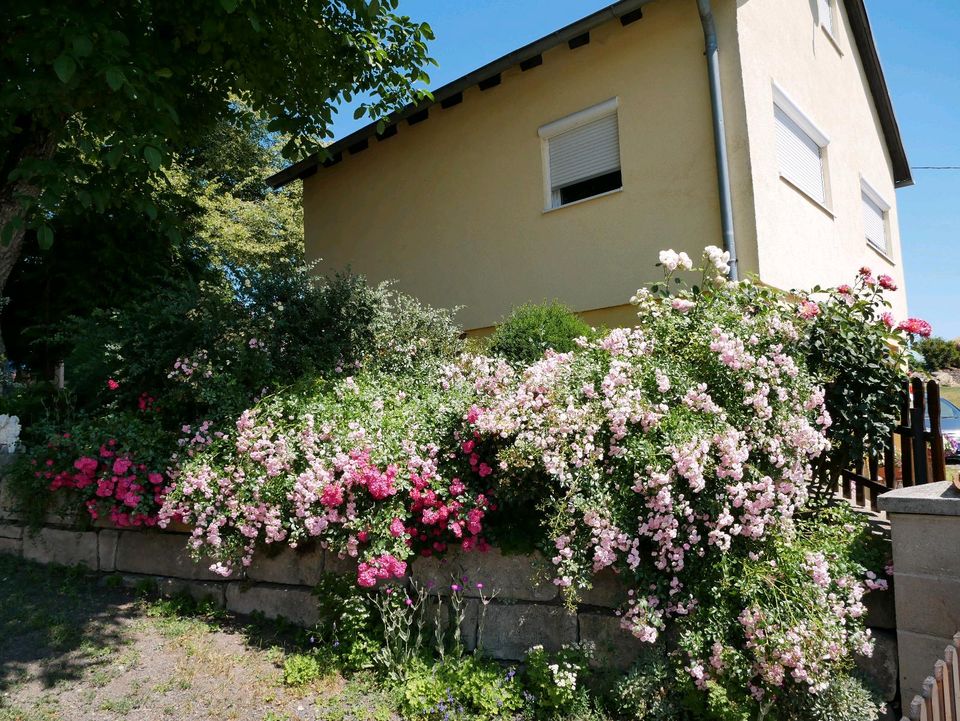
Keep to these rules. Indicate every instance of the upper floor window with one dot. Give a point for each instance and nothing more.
(801, 149)
(581, 155)
(875, 215)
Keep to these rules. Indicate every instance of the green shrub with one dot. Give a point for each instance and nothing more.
(346, 620)
(846, 698)
(531, 329)
(852, 348)
(299, 669)
(459, 689)
(556, 680)
(938, 353)
(645, 694)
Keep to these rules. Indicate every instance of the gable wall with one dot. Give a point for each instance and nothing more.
(453, 207)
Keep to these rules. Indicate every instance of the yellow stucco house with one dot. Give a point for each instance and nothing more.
(560, 169)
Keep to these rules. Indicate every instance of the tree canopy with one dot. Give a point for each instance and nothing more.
(98, 99)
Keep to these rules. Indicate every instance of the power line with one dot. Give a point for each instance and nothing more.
(935, 167)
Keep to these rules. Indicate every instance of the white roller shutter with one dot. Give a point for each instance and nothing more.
(873, 222)
(826, 15)
(585, 152)
(799, 156)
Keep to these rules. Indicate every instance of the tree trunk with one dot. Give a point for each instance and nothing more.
(12, 197)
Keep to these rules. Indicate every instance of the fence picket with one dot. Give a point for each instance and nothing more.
(919, 448)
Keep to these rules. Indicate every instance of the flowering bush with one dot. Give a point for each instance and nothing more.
(856, 349)
(353, 463)
(677, 453)
(553, 679)
(117, 467)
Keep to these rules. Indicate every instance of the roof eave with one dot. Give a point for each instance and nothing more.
(309, 165)
(866, 45)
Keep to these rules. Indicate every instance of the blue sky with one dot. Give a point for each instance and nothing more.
(920, 51)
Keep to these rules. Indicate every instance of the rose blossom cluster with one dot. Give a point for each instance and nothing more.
(672, 445)
(111, 479)
(292, 478)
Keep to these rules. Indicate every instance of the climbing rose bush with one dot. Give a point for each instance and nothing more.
(353, 463)
(676, 454)
(113, 482)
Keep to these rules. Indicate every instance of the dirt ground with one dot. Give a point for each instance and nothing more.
(75, 647)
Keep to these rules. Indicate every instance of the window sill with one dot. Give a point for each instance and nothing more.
(820, 206)
(833, 40)
(582, 200)
(882, 253)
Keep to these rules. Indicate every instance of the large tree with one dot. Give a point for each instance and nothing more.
(97, 97)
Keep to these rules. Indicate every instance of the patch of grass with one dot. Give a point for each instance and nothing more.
(100, 678)
(361, 698)
(44, 709)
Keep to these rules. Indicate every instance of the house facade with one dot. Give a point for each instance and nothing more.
(559, 171)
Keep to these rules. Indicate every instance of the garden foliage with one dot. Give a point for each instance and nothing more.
(939, 353)
(681, 454)
(532, 329)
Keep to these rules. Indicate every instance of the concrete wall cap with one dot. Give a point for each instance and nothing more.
(931, 499)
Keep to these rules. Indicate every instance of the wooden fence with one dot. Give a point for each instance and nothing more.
(913, 454)
(941, 692)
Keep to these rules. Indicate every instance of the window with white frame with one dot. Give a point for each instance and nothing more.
(825, 9)
(801, 148)
(875, 215)
(581, 155)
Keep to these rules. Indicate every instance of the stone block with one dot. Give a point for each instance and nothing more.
(608, 591)
(882, 666)
(199, 590)
(297, 605)
(917, 653)
(155, 553)
(468, 627)
(11, 546)
(296, 567)
(107, 550)
(614, 648)
(69, 548)
(928, 604)
(518, 578)
(8, 505)
(926, 545)
(333, 563)
(881, 609)
(11, 530)
(511, 629)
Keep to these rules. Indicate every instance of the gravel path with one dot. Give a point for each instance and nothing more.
(73, 648)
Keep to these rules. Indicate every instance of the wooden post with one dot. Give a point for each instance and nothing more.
(918, 434)
(906, 441)
(938, 457)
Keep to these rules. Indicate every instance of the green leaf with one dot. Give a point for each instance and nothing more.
(153, 157)
(229, 5)
(115, 78)
(82, 46)
(359, 112)
(65, 66)
(163, 73)
(45, 237)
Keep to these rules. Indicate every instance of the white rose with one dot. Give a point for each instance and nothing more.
(669, 259)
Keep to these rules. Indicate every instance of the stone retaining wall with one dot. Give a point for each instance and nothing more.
(526, 611)
(926, 563)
